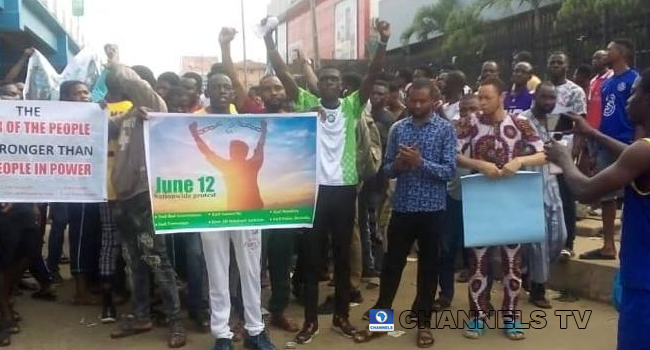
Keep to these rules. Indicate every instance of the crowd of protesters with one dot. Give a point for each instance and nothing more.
(392, 148)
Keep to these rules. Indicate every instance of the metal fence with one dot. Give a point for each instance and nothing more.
(503, 38)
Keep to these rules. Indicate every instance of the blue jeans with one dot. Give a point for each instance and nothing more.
(59, 215)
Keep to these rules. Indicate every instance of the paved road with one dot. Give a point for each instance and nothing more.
(56, 326)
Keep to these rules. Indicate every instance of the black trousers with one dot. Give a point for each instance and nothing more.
(280, 247)
(403, 230)
(569, 209)
(335, 211)
(85, 235)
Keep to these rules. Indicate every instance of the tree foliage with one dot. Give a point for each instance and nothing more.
(628, 5)
(534, 4)
(430, 19)
(577, 12)
(464, 31)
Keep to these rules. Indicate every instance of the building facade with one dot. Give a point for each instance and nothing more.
(253, 73)
(401, 16)
(197, 64)
(344, 28)
(47, 25)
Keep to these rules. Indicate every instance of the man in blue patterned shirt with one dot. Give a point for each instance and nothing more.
(422, 156)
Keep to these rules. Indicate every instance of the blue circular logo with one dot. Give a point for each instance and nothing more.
(381, 316)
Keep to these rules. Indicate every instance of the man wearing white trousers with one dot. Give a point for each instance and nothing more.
(248, 248)
(247, 243)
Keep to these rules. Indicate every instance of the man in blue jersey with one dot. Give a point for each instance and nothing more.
(614, 123)
(631, 170)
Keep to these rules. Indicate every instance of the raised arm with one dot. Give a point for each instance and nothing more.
(258, 154)
(226, 36)
(308, 72)
(280, 68)
(138, 91)
(383, 28)
(214, 159)
(17, 68)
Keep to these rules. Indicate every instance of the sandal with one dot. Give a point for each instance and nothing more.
(514, 330)
(177, 337)
(597, 254)
(131, 327)
(364, 336)
(425, 338)
(475, 328)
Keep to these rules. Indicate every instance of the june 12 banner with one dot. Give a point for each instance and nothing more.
(222, 172)
(52, 151)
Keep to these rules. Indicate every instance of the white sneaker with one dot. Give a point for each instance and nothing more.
(596, 212)
(567, 254)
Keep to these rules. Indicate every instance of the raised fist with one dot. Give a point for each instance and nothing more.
(227, 35)
(383, 28)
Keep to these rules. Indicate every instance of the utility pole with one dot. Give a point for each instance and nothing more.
(314, 29)
(243, 35)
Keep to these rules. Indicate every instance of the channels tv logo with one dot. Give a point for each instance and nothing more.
(381, 320)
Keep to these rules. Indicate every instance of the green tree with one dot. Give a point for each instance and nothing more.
(579, 12)
(430, 19)
(464, 31)
(629, 6)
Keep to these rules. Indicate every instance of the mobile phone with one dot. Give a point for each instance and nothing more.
(564, 123)
(559, 123)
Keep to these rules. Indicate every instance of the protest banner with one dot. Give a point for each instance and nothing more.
(503, 211)
(52, 151)
(221, 172)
